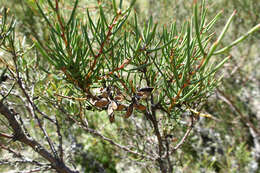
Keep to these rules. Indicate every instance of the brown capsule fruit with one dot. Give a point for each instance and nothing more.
(101, 103)
(129, 111)
(119, 98)
(112, 118)
(104, 94)
(121, 107)
(143, 93)
(139, 107)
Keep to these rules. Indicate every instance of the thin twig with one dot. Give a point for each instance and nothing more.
(168, 155)
(19, 81)
(60, 139)
(5, 136)
(20, 156)
(185, 136)
(244, 119)
(94, 132)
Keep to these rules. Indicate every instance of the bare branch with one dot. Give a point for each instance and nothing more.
(185, 135)
(60, 140)
(34, 107)
(20, 136)
(244, 118)
(20, 156)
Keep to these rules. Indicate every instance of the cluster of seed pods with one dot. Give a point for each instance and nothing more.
(113, 100)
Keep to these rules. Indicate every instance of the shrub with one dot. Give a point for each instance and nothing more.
(110, 80)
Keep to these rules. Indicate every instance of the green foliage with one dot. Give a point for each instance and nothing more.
(95, 55)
